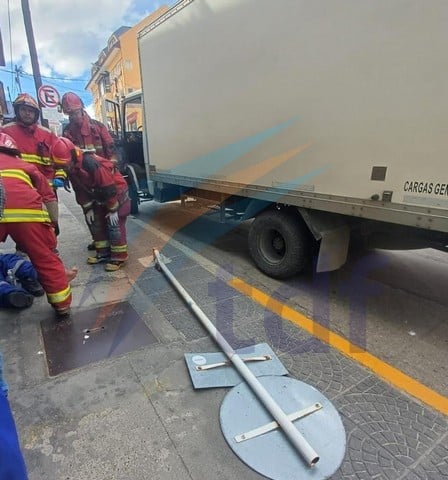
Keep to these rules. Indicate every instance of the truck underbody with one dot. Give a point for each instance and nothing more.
(285, 237)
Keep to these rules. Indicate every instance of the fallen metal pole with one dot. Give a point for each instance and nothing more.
(295, 437)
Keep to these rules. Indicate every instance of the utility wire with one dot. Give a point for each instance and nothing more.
(58, 84)
(64, 79)
(49, 78)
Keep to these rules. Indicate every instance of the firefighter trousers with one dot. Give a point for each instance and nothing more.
(110, 241)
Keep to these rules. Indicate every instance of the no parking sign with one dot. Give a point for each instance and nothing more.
(48, 96)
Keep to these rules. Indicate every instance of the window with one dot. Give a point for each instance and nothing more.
(133, 114)
(117, 69)
(111, 42)
(105, 81)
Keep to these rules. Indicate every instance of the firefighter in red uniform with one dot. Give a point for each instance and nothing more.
(102, 192)
(85, 132)
(33, 140)
(29, 217)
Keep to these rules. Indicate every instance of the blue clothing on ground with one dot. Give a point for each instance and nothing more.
(16, 267)
(21, 267)
(12, 465)
(3, 384)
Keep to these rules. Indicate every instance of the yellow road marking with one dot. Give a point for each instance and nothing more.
(381, 369)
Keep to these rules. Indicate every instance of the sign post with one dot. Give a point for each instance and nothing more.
(49, 99)
(48, 96)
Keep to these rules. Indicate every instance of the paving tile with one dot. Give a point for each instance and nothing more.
(403, 427)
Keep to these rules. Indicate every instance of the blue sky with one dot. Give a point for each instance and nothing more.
(68, 36)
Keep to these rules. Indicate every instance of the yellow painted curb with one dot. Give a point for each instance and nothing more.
(382, 369)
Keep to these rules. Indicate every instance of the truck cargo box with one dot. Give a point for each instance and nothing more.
(329, 106)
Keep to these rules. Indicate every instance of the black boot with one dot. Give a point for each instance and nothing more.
(19, 299)
(32, 286)
(62, 313)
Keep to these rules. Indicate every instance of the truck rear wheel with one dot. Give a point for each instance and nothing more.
(279, 243)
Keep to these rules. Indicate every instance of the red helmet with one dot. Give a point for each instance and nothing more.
(71, 102)
(62, 151)
(27, 100)
(8, 145)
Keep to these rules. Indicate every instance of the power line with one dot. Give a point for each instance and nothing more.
(58, 83)
(61, 78)
(60, 86)
(49, 78)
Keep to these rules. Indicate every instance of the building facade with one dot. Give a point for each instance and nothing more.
(116, 73)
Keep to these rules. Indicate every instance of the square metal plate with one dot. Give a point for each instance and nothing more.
(93, 335)
(227, 375)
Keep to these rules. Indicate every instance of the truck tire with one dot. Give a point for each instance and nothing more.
(279, 243)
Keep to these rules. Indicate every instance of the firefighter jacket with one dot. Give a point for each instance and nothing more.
(34, 143)
(91, 135)
(97, 180)
(26, 191)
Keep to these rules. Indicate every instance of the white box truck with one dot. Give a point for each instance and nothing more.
(319, 119)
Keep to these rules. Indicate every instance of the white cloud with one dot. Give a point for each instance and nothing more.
(68, 35)
(90, 110)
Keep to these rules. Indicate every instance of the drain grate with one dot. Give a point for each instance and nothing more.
(93, 335)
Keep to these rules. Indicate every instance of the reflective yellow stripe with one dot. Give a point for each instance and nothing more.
(336, 341)
(19, 174)
(60, 174)
(59, 297)
(16, 215)
(30, 158)
(119, 248)
(102, 244)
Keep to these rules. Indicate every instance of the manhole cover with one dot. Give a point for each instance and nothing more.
(93, 335)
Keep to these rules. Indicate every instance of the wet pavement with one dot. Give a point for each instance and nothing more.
(108, 396)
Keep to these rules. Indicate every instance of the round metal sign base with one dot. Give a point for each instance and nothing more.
(272, 454)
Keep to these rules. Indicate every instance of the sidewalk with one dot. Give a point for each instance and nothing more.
(135, 415)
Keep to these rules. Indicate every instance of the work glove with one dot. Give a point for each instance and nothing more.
(56, 228)
(53, 210)
(90, 215)
(112, 219)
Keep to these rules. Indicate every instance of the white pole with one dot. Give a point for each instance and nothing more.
(294, 436)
